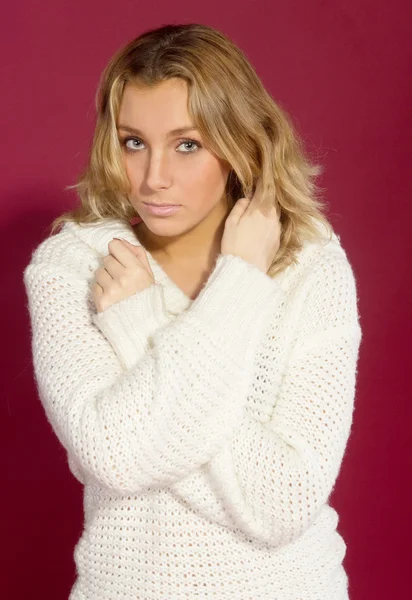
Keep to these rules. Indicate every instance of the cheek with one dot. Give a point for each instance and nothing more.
(133, 174)
(206, 180)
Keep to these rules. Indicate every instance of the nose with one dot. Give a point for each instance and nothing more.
(157, 172)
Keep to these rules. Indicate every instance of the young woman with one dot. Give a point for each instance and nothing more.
(195, 337)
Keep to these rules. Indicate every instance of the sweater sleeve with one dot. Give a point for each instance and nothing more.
(129, 325)
(271, 479)
(171, 411)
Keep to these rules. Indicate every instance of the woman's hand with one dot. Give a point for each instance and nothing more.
(126, 271)
(252, 234)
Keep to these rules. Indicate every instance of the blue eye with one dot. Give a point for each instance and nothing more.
(196, 145)
(128, 139)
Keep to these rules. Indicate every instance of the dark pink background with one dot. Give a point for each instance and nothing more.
(343, 71)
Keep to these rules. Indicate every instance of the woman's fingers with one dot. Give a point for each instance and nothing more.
(238, 210)
(140, 253)
(256, 199)
(126, 271)
(113, 266)
(257, 195)
(121, 252)
(103, 277)
(253, 231)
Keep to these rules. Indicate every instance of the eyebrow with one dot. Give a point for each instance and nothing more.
(177, 131)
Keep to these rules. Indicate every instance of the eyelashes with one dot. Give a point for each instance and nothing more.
(196, 144)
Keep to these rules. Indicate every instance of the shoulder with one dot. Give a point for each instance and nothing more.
(323, 287)
(63, 252)
(324, 265)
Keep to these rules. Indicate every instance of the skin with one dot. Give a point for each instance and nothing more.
(167, 169)
(249, 233)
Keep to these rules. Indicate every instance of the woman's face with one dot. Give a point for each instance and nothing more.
(169, 168)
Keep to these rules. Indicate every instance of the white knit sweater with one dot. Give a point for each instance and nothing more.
(208, 433)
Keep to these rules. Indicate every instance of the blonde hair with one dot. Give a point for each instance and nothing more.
(236, 117)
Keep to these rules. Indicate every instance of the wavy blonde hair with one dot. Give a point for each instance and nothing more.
(236, 117)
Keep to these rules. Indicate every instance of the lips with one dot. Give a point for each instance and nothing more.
(162, 210)
(154, 204)
(160, 205)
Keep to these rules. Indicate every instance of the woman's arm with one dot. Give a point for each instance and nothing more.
(271, 479)
(171, 411)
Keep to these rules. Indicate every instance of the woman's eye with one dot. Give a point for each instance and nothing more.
(129, 148)
(135, 145)
(196, 146)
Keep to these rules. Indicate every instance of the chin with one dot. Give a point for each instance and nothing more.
(163, 226)
(169, 227)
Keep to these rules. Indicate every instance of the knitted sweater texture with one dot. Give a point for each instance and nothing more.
(208, 433)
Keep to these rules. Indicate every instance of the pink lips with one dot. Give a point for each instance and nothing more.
(161, 210)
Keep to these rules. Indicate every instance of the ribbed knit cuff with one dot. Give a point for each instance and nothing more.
(237, 301)
(130, 323)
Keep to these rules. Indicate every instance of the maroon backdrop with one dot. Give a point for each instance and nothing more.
(343, 70)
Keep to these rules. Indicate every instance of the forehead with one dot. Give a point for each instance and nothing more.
(164, 105)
